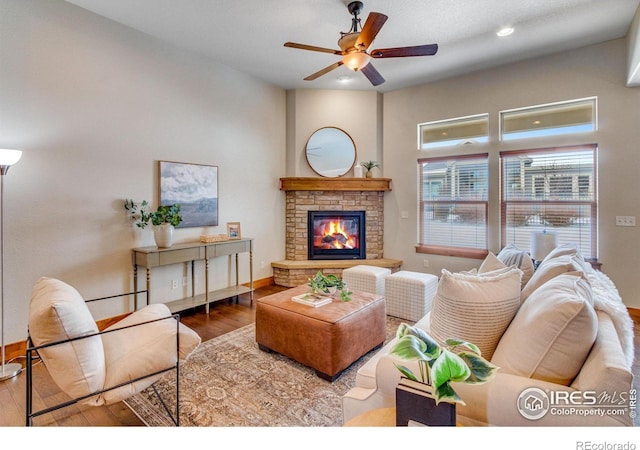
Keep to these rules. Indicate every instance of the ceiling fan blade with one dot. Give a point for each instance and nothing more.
(313, 48)
(372, 74)
(370, 29)
(399, 52)
(327, 69)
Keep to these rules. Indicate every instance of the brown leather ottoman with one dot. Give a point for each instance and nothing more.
(328, 338)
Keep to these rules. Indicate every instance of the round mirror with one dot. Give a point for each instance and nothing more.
(331, 152)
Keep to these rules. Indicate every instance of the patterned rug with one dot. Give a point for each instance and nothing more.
(228, 382)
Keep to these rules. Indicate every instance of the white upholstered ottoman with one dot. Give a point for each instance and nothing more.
(409, 295)
(366, 278)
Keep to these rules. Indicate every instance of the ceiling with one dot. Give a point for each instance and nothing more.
(248, 35)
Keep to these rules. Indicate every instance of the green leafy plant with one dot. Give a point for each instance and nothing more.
(369, 165)
(169, 214)
(456, 361)
(328, 284)
(138, 212)
(141, 216)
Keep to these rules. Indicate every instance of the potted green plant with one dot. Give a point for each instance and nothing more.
(329, 284)
(438, 366)
(164, 221)
(369, 165)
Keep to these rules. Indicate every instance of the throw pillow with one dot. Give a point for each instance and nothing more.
(58, 312)
(550, 269)
(512, 255)
(491, 263)
(475, 308)
(552, 333)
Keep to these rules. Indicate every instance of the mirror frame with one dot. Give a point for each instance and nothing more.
(348, 145)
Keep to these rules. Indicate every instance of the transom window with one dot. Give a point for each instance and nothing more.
(450, 132)
(575, 116)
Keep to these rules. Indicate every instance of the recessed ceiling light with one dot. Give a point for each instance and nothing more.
(344, 78)
(506, 31)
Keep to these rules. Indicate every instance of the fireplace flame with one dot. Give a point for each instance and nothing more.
(333, 235)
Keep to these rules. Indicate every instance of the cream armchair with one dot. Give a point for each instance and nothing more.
(100, 368)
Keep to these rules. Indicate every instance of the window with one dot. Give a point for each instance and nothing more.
(550, 189)
(453, 201)
(463, 130)
(575, 116)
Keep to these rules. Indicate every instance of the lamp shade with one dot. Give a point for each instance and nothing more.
(9, 157)
(542, 243)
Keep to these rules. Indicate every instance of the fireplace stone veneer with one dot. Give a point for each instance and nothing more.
(330, 194)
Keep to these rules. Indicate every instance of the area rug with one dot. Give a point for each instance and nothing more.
(228, 382)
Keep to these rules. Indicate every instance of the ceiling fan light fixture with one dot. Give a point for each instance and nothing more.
(356, 60)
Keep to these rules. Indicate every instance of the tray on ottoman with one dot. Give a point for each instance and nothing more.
(329, 338)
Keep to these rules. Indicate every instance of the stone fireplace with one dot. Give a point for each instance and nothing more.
(330, 194)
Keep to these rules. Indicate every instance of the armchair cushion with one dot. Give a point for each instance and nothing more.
(137, 351)
(58, 312)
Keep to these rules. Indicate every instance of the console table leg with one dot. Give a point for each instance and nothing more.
(206, 285)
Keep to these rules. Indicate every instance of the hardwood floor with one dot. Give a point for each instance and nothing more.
(223, 317)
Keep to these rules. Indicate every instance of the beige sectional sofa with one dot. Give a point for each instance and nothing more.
(561, 336)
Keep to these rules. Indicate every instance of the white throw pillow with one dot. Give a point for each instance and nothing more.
(512, 255)
(58, 312)
(491, 263)
(553, 332)
(551, 269)
(476, 308)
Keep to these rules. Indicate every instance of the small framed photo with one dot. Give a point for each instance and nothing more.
(233, 230)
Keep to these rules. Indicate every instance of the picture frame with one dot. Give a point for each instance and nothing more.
(194, 187)
(233, 230)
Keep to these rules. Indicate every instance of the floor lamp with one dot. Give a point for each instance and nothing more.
(7, 159)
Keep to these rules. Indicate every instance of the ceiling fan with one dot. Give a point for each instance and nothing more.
(354, 44)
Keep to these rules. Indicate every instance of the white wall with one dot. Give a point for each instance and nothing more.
(598, 70)
(95, 106)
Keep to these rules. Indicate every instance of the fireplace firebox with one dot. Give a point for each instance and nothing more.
(336, 235)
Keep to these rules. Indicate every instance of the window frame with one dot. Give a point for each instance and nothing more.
(577, 199)
(449, 250)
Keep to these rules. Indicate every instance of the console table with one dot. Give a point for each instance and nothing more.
(150, 257)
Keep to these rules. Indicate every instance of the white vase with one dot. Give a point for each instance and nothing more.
(163, 235)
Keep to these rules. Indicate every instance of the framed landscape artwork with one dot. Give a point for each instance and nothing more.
(195, 188)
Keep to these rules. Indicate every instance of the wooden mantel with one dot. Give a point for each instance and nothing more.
(335, 184)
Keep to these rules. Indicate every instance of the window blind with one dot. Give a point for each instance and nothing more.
(551, 189)
(453, 203)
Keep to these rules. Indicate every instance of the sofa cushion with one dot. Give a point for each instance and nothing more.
(475, 308)
(549, 269)
(512, 255)
(552, 333)
(58, 312)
